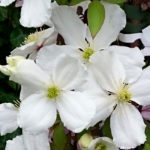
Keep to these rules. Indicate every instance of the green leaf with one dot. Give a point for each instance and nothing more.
(115, 1)
(96, 16)
(17, 37)
(147, 132)
(134, 12)
(3, 13)
(74, 2)
(106, 129)
(146, 146)
(62, 2)
(59, 138)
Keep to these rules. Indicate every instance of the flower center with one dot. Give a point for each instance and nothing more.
(53, 92)
(100, 146)
(124, 94)
(32, 38)
(87, 53)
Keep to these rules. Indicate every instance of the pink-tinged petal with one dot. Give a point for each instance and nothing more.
(146, 112)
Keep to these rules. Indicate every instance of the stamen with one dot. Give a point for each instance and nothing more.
(33, 37)
(100, 146)
(17, 103)
(53, 92)
(124, 94)
(87, 53)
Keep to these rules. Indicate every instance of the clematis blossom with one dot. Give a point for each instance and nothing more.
(77, 35)
(9, 123)
(35, 42)
(114, 97)
(49, 91)
(33, 13)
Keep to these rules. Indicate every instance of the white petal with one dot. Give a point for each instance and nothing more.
(145, 36)
(69, 26)
(24, 50)
(30, 74)
(35, 14)
(6, 2)
(76, 110)
(36, 141)
(108, 70)
(113, 24)
(140, 89)
(47, 56)
(104, 106)
(15, 144)
(26, 91)
(37, 113)
(49, 36)
(127, 126)
(8, 118)
(146, 51)
(132, 60)
(103, 140)
(69, 74)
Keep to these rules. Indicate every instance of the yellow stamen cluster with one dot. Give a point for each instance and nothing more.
(34, 37)
(53, 92)
(100, 146)
(124, 94)
(87, 53)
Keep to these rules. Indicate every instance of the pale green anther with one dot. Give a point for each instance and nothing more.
(53, 92)
(124, 94)
(87, 53)
(13, 60)
(32, 38)
(100, 146)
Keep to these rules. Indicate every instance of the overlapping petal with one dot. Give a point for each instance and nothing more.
(140, 89)
(127, 126)
(113, 24)
(132, 60)
(69, 74)
(37, 113)
(6, 2)
(30, 74)
(108, 70)
(15, 144)
(69, 26)
(76, 109)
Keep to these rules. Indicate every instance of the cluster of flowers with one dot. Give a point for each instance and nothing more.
(84, 81)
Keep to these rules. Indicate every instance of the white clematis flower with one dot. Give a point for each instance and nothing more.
(9, 123)
(87, 142)
(77, 34)
(33, 13)
(35, 42)
(127, 125)
(53, 91)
